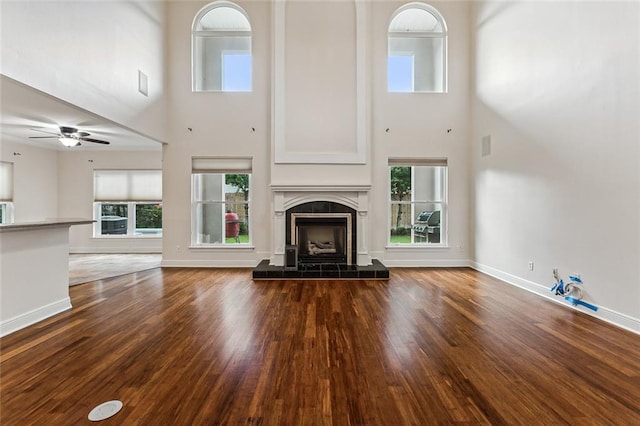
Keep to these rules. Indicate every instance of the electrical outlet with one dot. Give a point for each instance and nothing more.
(531, 265)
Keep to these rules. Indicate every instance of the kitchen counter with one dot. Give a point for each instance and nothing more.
(34, 271)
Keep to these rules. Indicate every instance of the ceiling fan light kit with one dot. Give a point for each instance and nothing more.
(69, 142)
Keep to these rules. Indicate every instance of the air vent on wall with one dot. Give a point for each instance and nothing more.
(143, 83)
(486, 145)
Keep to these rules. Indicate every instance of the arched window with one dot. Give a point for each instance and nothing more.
(221, 46)
(417, 55)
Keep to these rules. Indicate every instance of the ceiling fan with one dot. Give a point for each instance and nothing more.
(69, 136)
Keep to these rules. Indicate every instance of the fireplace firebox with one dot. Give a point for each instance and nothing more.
(322, 237)
(323, 232)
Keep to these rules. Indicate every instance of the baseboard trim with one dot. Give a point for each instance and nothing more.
(603, 313)
(426, 263)
(36, 315)
(209, 263)
(113, 250)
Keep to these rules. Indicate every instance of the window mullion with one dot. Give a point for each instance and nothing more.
(213, 33)
(131, 218)
(414, 34)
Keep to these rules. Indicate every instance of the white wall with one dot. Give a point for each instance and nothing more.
(75, 197)
(89, 53)
(418, 124)
(321, 93)
(221, 125)
(35, 177)
(557, 89)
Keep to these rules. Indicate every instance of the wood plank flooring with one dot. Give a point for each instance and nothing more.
(212, 347)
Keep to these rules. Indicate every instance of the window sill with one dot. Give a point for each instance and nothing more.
(220, 91)
(411, 92)
(131, 237)
(417, 247)
(221, 247)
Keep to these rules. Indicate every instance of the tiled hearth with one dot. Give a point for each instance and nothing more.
(375, 271)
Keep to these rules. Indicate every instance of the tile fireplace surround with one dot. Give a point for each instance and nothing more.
(355, 197)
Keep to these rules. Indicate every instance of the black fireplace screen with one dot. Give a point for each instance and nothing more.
(320, 242)
(324, 232)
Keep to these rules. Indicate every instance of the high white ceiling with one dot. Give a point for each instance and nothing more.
(23, 109)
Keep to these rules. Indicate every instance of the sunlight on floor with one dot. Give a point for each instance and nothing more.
(91, 267)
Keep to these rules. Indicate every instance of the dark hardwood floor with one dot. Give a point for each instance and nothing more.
(208, 347)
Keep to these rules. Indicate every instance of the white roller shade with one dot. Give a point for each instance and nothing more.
(6, 181)
(442, 162)
(127, 185)
(221, 165)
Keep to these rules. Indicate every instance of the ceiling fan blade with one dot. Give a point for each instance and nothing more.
(44, 131)
(81, 134)
(45, 137)
(66, 130)
(94, 141)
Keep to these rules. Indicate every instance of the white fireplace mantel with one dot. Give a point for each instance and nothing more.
(287, 196)
(320, 188)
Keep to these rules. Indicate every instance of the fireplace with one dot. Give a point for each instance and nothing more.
(320, 232)
(323, 232)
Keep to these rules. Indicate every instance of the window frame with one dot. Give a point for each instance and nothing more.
(6, 212)
(196, 33)
(131, 220)
(219, 166)
(443, 202)
(443, 34)
(129, 187)
(6, 192)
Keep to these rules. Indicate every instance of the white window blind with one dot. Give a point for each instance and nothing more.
(442, 162)
(221, 164)
(127, 185)
(6, 181)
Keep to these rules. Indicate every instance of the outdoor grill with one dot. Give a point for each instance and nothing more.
(427, 227)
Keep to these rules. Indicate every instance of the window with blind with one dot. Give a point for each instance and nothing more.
(220, 201)
(6, 192)
(128, 203)
(417, 201)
